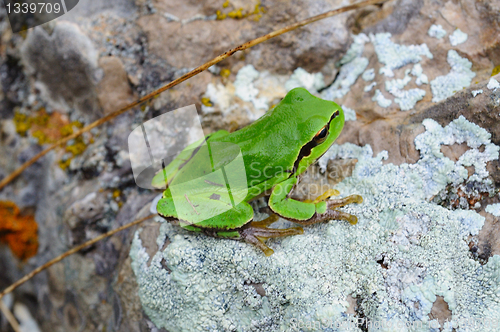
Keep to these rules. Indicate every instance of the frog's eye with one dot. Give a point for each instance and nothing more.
(321, 135)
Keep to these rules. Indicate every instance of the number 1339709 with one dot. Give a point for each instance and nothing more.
(34, 8)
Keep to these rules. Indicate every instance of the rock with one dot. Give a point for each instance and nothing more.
(86, 209)
(64, 65)
(88, 9)
(171, 40)
(114, 91)
(422, 244)
(397, 22)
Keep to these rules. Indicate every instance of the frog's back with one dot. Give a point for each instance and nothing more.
(271, 145)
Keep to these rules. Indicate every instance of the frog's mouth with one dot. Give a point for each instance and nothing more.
(306, 150)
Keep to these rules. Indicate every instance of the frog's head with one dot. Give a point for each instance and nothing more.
(319, 123)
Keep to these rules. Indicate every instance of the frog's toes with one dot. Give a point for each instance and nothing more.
(326, 195)
(335, 203)
(257, 234)
(352, 219)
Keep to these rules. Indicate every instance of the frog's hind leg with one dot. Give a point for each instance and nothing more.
(332, 214)
(256, 232)
(335, 203)
(328, 215)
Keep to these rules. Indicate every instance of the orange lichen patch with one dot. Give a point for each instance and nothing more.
(47, 128)
(236, 14)
(116, 193)
(225, 73)
(77, 147)
(220, 15)
(239, 13)
(206, 101)
(495, 71)
(64, 163)
(17, 231)
(22, 123)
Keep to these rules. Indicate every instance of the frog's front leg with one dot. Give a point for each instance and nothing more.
(309, 213)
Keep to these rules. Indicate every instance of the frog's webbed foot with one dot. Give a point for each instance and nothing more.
(257, 231)
(331, 213)
(335, 203)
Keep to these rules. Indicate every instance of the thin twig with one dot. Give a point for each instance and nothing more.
(69, 252)
(10, 317)
(184, 77)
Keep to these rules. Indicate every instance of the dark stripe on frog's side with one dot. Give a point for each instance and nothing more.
(307, 148)
(213, 183)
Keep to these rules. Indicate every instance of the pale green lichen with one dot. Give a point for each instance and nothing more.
(356, 49)
(347, 76)
(369, 87)
(493, 209)
(301, 78)
(458, 37)
(381, 100)
(418, 72)
(394, 55)
(245, 88)
(202, 283)
(493, 84)
(476, 92)
(399, 83)
(353, 65)
(217, 94)
(406, 99)
(349, 113)
(257, 90)
(369, 74)
(436, 31)
(458, 78)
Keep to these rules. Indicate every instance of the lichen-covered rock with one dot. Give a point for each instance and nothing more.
(403, 253)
